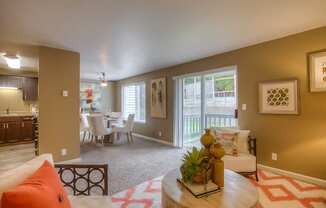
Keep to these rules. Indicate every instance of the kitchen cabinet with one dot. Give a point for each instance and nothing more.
(29, 85)
(11, 81)
(30, 89)
(2, 133)
(27, 129)
(15, 129)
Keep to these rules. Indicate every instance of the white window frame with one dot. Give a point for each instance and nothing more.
(123, 100)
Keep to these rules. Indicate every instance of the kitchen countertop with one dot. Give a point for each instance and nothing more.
(16, 114)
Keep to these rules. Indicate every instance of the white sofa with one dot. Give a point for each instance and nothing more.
(17, 175)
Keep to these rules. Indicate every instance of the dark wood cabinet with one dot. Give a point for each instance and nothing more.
(11, 81)
(27, 129)
(16, 129)
(13, 131)
(30, 89)
(29, 85)
(2, 133)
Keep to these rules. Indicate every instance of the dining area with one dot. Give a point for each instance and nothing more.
(106, 128)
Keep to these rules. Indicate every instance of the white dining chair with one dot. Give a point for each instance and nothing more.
(116, 118)
(127, 128)
(115, 114)
(97, 127)
(84, 127)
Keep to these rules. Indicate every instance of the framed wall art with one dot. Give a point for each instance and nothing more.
(279, 97)
(158, 98)
(317, 71)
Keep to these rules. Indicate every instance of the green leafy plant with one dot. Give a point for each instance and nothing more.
(194, 162)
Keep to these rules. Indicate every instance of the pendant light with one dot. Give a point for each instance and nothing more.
(104, 83)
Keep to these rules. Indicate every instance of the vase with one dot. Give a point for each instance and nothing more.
(207, 139)
(218, 152)
(218, 174)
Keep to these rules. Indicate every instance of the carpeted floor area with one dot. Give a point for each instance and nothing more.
(132, 164)
(274, 191)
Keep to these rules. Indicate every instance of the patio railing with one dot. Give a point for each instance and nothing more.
(192, 124)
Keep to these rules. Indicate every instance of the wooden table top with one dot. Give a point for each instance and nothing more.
(238, 192)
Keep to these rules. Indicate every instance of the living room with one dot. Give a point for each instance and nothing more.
(237, 68)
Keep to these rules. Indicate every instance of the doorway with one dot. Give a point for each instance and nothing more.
(204, 100)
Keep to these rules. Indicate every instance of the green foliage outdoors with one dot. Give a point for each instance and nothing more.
(225, 83)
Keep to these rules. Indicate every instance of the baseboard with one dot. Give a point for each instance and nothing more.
(153, 139)
(309, 179)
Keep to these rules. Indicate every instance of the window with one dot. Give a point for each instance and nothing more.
(133, 101)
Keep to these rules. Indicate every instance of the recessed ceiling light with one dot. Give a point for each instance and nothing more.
(13, 61)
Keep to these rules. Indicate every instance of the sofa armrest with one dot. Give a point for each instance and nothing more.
(84, 179)
(252, 143)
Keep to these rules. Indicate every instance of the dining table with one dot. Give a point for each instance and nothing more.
(111, 120)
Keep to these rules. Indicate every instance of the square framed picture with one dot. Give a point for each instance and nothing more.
(317, 71)
(279, 97)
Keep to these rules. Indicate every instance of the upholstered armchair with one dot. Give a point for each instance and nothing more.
(245, 162)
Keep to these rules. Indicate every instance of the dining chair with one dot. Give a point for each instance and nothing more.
(127, 128)
(84, 127)
(117, 116)
(97, 127)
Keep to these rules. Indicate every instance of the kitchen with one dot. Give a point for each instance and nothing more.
(18, 107)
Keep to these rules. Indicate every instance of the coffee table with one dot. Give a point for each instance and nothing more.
(238, 192)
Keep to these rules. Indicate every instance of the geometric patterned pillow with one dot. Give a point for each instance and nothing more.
(228, 140)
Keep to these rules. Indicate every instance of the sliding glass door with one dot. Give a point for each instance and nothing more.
(220, 99)
(191, 108)
(203, 101)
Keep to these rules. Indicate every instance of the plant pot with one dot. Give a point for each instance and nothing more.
(198, 178)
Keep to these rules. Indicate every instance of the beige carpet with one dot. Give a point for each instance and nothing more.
(132, 164)
(129, 164)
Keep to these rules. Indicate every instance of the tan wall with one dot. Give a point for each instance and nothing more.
(58, 115)
(300, 141)
(107, 97)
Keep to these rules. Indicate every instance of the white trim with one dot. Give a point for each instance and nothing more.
(220, 69)
(294, 175)
(153, 139)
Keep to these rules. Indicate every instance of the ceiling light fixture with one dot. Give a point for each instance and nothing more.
(13, 61)
(104, 83)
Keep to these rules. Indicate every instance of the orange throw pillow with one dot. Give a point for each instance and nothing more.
(42, 190)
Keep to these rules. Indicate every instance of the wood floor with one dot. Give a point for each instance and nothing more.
(15, 155)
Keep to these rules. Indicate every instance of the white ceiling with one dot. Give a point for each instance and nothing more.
(130, 37)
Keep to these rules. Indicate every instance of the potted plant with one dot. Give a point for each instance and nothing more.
(196, 166)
